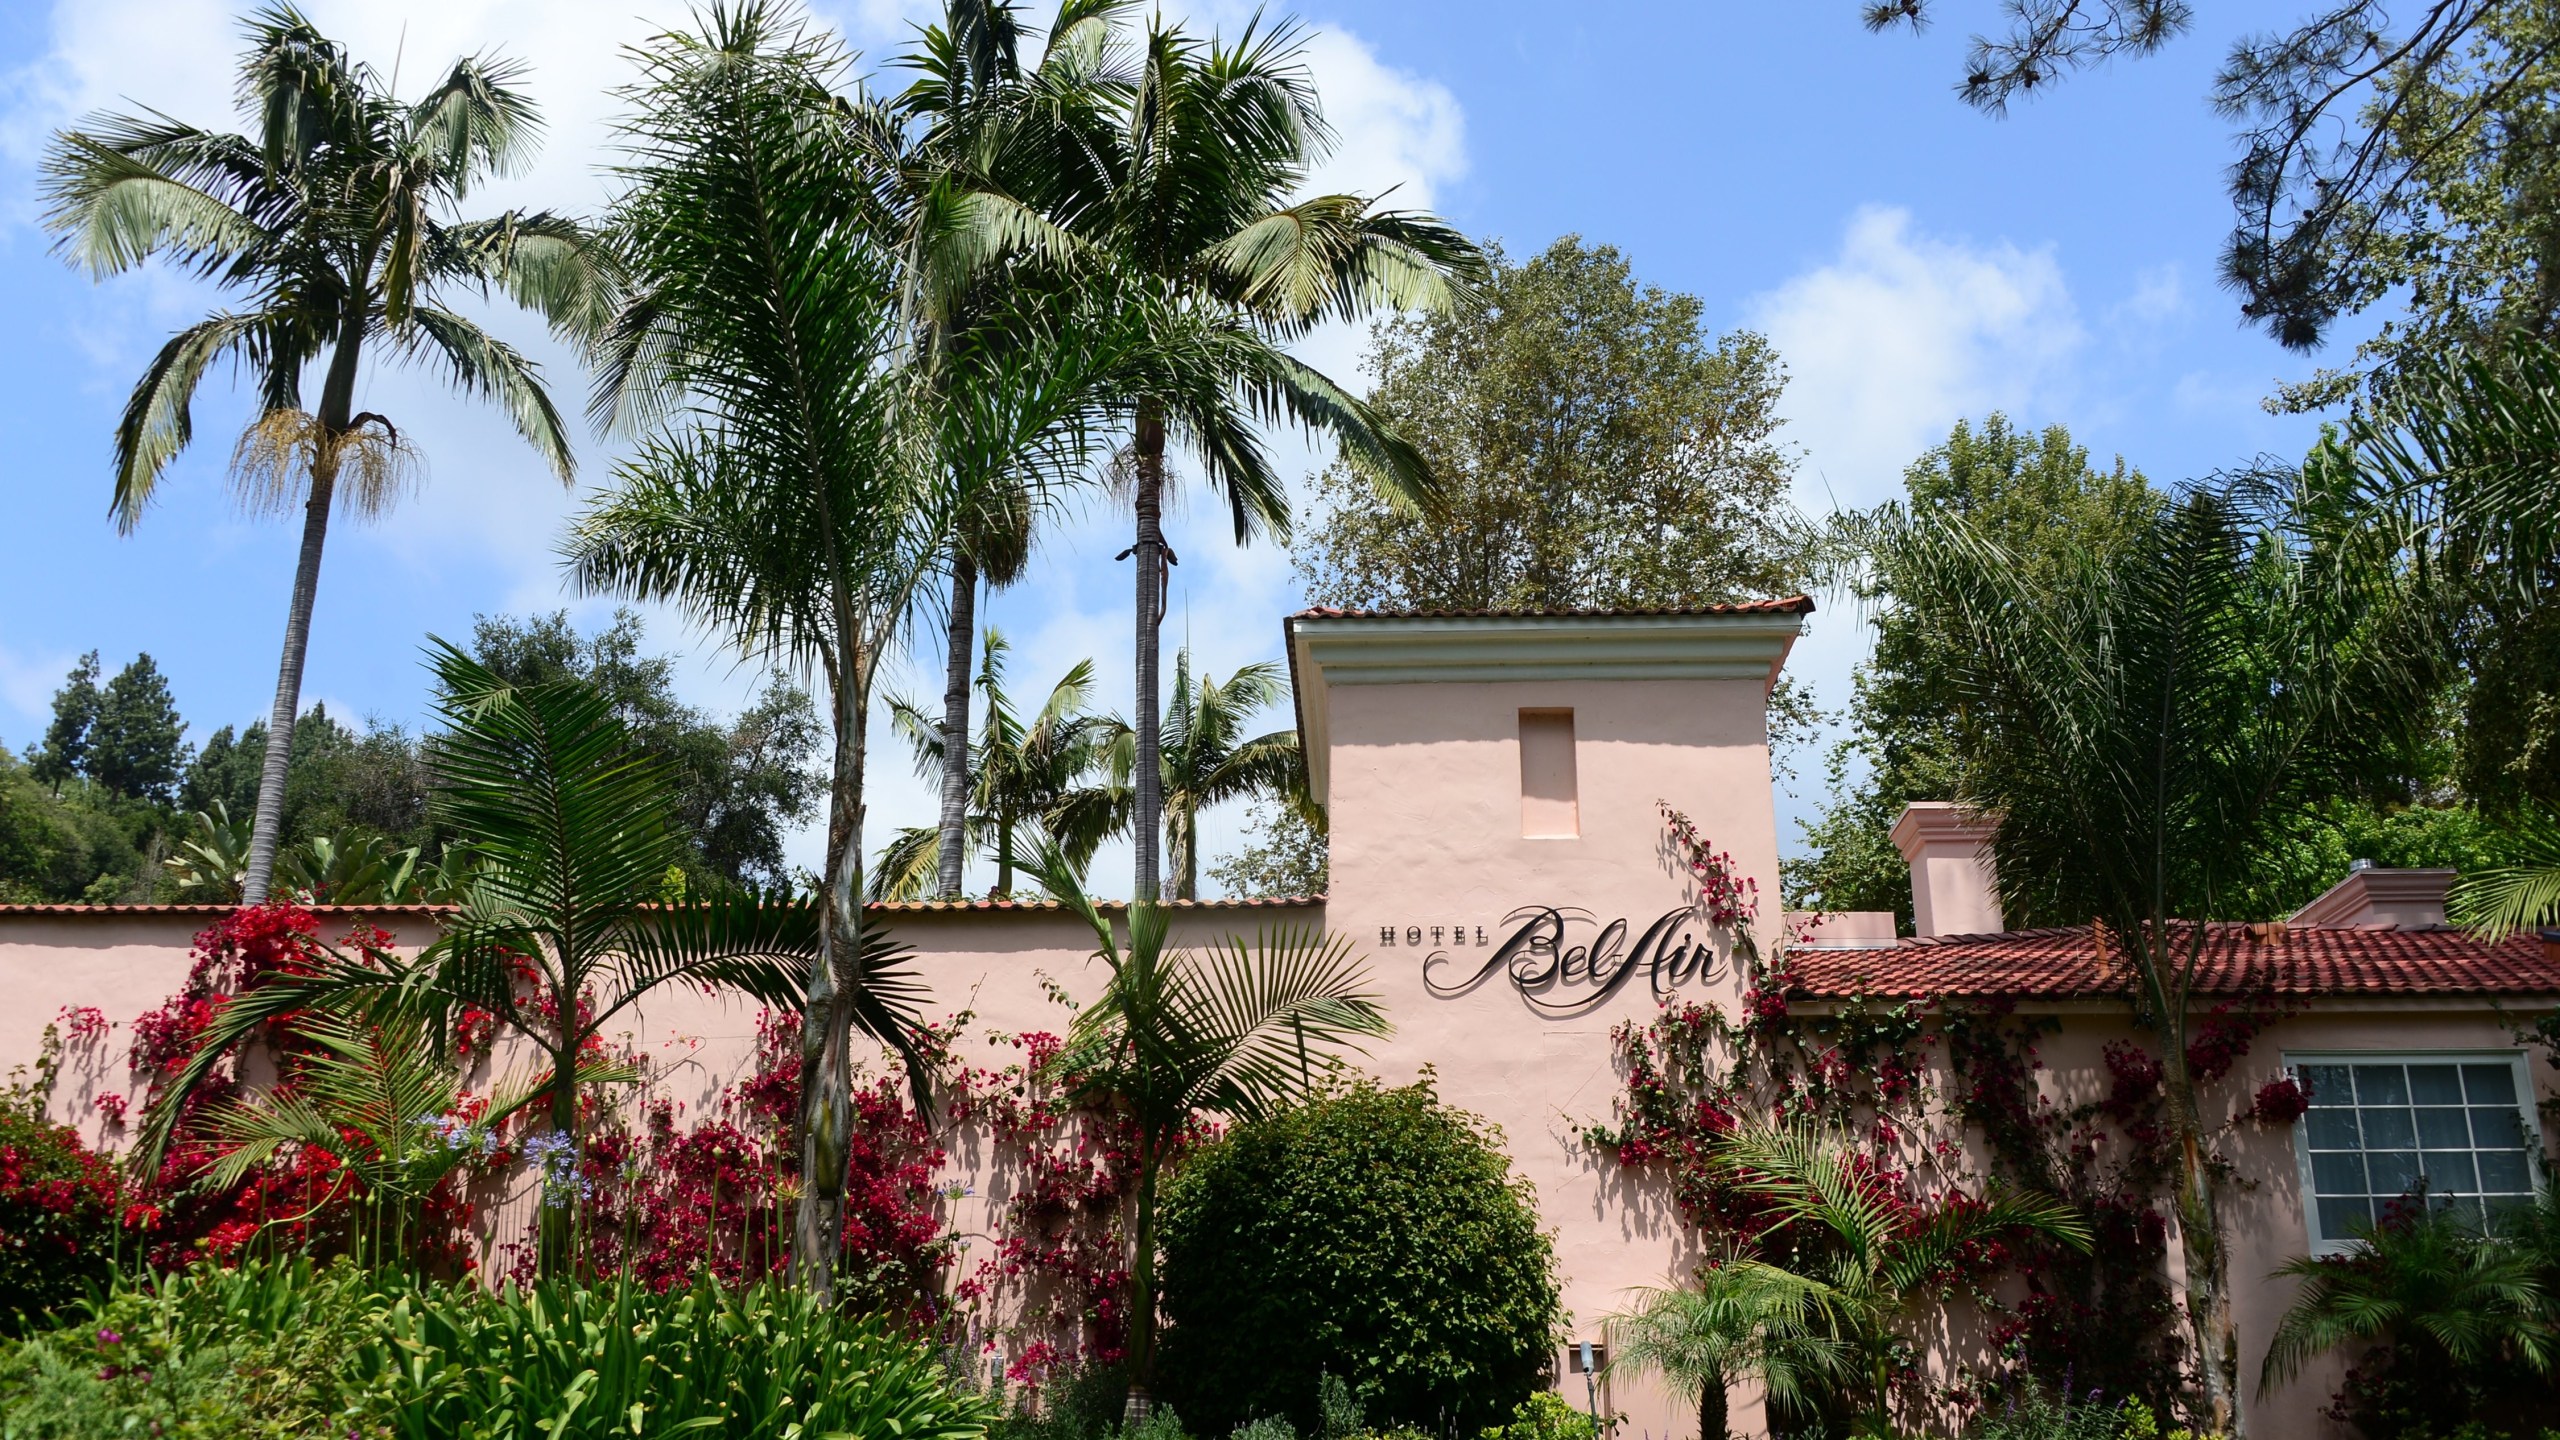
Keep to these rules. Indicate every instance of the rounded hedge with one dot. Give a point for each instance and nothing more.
(1373, 1234)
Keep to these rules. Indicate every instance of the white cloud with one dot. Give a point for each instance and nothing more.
(1901, 334)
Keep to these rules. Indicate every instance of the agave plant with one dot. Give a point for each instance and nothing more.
(210, 862)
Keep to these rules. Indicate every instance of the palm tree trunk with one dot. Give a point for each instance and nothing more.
(1142, 1291)
(1150, 557)
(552, 1238)
(1186, 853)
(1713, 1416)
(826, 1027)
(337, 402)
(962, 639)
(1004, 857)
(2200, 1238)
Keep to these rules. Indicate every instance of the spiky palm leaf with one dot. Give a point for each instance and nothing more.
(568, 832)
(1742, 1319)
(1857, 1237)
(1238, 1028)
(1037, 780)
(1207, 760)
(2431, 1284)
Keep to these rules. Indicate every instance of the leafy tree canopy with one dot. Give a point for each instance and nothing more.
(2384, 152)
(1283, 854)
(1595, 446)
(2037, 495)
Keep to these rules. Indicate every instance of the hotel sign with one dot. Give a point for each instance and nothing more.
(1562, 961)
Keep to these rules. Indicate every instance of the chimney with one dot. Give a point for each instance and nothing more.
(2370, 895)
(1954, 889)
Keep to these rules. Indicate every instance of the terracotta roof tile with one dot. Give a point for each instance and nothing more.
(1789, 605)
(2238, 960)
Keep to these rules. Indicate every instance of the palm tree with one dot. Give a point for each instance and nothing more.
(333, 221)
(1205, 760)
(1860, 1256)
(1034, 781)
(2142, 721)
(1194, 211)
(2471, 444)
(1239, 1029)
(384, 1100)
(2449, 1298)
(800, 476)
(563, 926)
(1743, 1319)
(989, 131)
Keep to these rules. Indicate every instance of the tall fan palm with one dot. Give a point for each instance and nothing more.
(1206, 760)
(799, 476)
(2141, 721)
(1038, 782)
(562, 928)
(333, 224)
(1195, 209)
(1238, 1029)
(1861, 1258)
(1741, 1320)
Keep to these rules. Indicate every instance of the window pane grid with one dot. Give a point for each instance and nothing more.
(2379, 1127)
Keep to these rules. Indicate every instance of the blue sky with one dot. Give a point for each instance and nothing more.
(1915, 262)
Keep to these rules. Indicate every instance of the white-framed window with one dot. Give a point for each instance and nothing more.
(2380, 1122)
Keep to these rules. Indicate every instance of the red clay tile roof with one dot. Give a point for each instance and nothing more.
(1257, 902)
(2239, 960)
(1789, 605)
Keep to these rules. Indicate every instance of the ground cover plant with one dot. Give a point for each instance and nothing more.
(284, 1348)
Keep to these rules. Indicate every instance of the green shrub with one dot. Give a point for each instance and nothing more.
(266, 1351)
(565, 1361)
(1544, 1416)
(1371, 1233)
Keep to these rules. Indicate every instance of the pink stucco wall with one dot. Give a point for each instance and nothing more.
(1431, 869)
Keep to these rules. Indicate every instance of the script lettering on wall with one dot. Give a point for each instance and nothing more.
(1541, 953)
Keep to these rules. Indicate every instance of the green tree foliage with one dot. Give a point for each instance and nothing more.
(1034, 781)
(2464, 1323)
(2385, 151)
(65, 752)
(63, 848)
(1593, 445)
(1284, 853)
(2145, 719)
(2036, 495)
(740, 788)
(1373, 1234)
(1207, 758)
(1238, 1029)
(138, 744)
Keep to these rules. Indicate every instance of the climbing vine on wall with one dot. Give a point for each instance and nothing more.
(1890, 1077)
